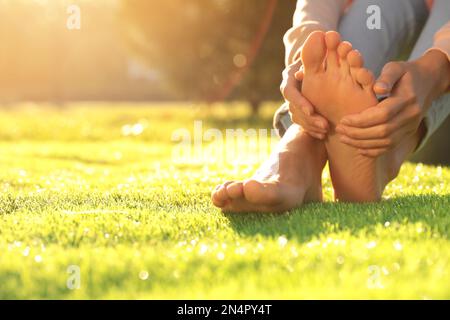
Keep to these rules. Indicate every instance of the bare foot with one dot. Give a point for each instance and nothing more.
(291, 177)
(337, 85)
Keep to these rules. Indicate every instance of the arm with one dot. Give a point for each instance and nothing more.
(413, 86)
(310, 16)
(442, 42)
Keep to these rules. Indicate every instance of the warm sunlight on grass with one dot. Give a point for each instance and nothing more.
(77, 189)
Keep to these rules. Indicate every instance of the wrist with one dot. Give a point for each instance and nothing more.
(436, 64)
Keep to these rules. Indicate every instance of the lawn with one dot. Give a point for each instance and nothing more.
(93, 204)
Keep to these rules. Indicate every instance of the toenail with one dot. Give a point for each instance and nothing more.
(320, 124)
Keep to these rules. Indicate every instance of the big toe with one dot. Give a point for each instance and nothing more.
(332, 40)
(314, 52)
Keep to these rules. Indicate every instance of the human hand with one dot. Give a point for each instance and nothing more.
(301, 110)
(412, 86)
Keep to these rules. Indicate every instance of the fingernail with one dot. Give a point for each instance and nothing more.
(382, 86)
(319, 124)
(306, 111)
(345, 121)
(340, 130)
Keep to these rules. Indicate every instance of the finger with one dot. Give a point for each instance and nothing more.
(376, 115)
(311, 128)
(320, 123)
(367, 144)
(390, 75)
(373, 153)
(305, 113)
(404, 118)
(299, 75)
(310, 123)
(385, 143)
(318, 136)
(292, 94)
(376, 132)
(317, 122)
(290, 87)
(307, 108)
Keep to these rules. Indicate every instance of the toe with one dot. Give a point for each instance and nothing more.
(235, 190)
(365, 78)
(343, 50)
(220, 195)
(332, 40)
(313, 52)
(355, 61)
(261, 193)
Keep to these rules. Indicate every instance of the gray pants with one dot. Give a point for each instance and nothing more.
(407, 28)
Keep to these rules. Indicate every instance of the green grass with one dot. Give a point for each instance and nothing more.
(76, 191)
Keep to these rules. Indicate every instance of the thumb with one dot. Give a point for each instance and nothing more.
(390, 75)
(299, 74)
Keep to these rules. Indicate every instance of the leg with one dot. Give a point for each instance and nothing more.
(290, 177)
(336, 84)
(402, 21)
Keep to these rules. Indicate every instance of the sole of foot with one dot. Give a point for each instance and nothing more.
(337, 84)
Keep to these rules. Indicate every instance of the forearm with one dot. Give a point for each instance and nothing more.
(441, 49)
(432, 77)
(437, 64)
(310, 16)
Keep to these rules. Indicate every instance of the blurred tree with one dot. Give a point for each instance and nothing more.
(202, 48)
(42, 60)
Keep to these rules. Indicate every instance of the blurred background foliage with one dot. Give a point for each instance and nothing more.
(202, 46)
(200, 51)
(197, 50)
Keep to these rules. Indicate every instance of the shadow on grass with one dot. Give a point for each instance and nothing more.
(313, 220)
